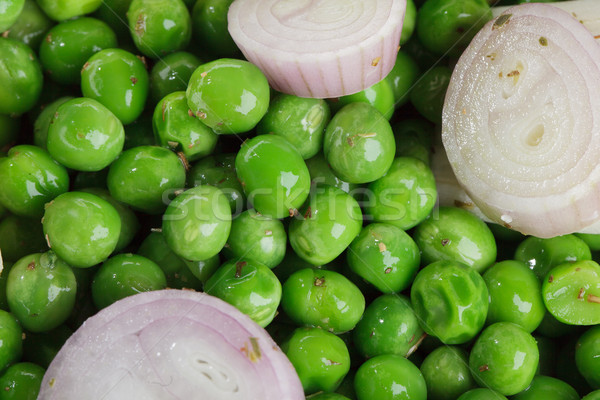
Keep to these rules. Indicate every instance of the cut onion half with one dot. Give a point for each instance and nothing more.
(170, 344)
(521, 121)
(319, 48)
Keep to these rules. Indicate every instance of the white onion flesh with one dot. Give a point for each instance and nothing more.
(319, 48)
(170, 344)
(521, 121)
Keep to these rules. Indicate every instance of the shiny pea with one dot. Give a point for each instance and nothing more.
(389, 377)
(21, 381)
(209, 23)
(31, 25)
(322, 174)
(587, 350)
(42, 122)
(11, 346)
(446, 372)
(548, 388)
(172, 74)
(403, 76)
(11, 9)
(66, 9)
(380, 95)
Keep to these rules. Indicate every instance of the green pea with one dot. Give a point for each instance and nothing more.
(31, 25)
(414, 138)
(595, 395)
(172, 74)
(322, 174)
(67, 9)
(11, 9)
(326, 226)
(209, 23)
(587, 350)
(320, 358)
(481, 394)
(389, 325)
(300, 120)
(273, 174)
(21, 75)
(41, 348)
(404, 196)
(381, 96)
(403, 76)
(566, 365)
(30, 178)
(592, 240)
(196, 223)
(125, 275)
(504, 358)
(114, 13)
(571, 292)
(385, 256)
(553, 328)
(143, 177)
(359, 143)
(20, 236)
(451, 301)
(42, 122)
(410, 21)
(448, 26)
(219, 171)
(117, 79)
(428, 93)
(159, 27)
(250, 286)
(515, 295)
(543, 254)
(446, 372)
(21, 381)
(456, 234)
(548, 388)
(322, 298)
(229, 95)
(388, 377)
(81, 228)
(11, 345)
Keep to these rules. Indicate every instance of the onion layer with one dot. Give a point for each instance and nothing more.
(521, 121)
(319, 48)
(170, 344)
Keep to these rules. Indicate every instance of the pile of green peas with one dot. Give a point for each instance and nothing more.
(139, 151)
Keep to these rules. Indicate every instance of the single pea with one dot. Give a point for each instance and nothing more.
(117, 79)
(11, 345)
(591, 239)
(41, 348)
(380, 95)
(571, 292)
(448, 26)
(456, 234)
(67, 9)
(515, 295)
(547, 388)
(481, 394)
(197, 222)
(320, 358)
(321, 174)
(326, 225)
(322, 298)
(21, 77)
(404, 196)
(595, 395)
(410, 21)
(300, 120)
(229, 95)
(172, 74)
(81, 228)
(209, 25)
(385, 256)
(587, 351)
(177, 128)
(451, 301)
(427, 95)
(414, 138)
(403, 76)
(42, 122)
(31, 25)
(273, 174)
(389, 325)
(11, 9)
(359, 143)
(388, 377)
(30, 179)
(543, 254)
(21, 381)
(250, 286)
(219, 170)
(145, 177)
(256, 237)
(504, 358)
(446, 372)
(20, 236)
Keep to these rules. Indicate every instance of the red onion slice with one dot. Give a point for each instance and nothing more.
(319, 48)
(521, 121)
(171, 344)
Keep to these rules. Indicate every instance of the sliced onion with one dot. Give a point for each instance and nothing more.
(170, 344)
(319, 48)
(521, 121)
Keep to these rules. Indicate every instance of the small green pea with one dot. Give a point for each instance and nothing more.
(380, 95)
(114, 13)
(172, 74)
(11, 346)
(409, 23)
(481, 394)
(428, 93)
(446, 372)
(209, 26)
(322, 174)
(547, 388)
(21, 381)
(67, 9)
(587, 350)
(31, 25)
(42, 122)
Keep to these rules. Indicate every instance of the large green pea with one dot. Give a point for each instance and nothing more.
(117, 79)
(273, 174)
(504, 358)
(359, 143)
(229, 95)
(30, 179)
(172, 74)
(11, 345)
(21, 77)
(547, 388)
(320, 358)
(41, 291)
(159, 27)
(196, 223)
(322, 298)
(10, 11)
(31, 25)
(250, 286)
(451, 300)
(446, 372)
(209, 23)
(61, 10)
(587, 351)
(20, 236)
(326, 226)
(380, 95)
(21, 381)
(571, 292)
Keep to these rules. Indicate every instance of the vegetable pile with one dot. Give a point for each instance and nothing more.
(289, 199)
